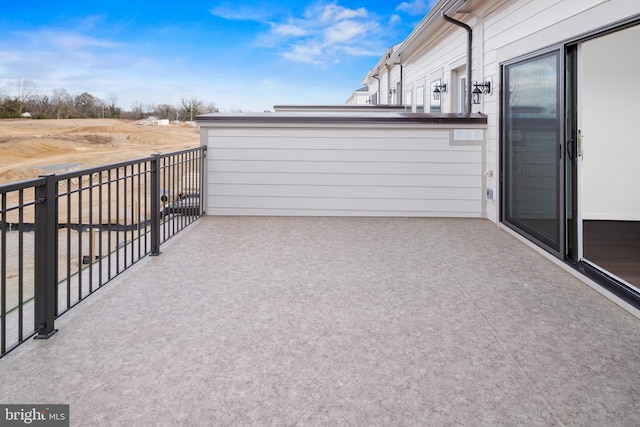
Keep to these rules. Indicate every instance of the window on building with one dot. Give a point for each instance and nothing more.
(420, 99)
(462, 94)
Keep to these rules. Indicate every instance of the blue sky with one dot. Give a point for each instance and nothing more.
(240, 55)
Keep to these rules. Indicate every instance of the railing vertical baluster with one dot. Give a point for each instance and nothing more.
(146, 207)
(68, 196)
(20, 263)
(45, 257)
(118, 219)
(132, 215)
(3, 276)
(100, 201)
(137, 210)
(80, 231)
(109, 203)
(155, 205)
(186, 186)
(124, 214)
(91, 242)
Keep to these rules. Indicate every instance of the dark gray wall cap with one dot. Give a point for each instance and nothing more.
(341, 107)
(343, 118)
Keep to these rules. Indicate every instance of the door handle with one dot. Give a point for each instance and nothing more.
(579, 143)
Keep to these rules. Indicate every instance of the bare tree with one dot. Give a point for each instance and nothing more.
(136, 109)
(100, 108)
(114, 111)
(27, 90)
(85, 104)
(61, 101)
(191, 106)
(151, 109)
(211, 108)
(166, 111)
(40, 106)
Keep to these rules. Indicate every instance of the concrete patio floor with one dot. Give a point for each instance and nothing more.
(338, 321)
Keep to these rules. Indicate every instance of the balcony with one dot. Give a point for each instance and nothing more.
(338, 321)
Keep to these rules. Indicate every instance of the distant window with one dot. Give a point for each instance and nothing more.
(462, 94)
(408, 106)
(420, 99)
(434, 104)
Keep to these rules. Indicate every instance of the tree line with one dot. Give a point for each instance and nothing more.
(60, 104)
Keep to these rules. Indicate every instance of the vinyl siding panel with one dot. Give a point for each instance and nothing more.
(351, 171)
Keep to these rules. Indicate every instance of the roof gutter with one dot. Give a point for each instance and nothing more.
(467, 109)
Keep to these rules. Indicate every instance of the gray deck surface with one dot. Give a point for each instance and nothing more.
(338, 321)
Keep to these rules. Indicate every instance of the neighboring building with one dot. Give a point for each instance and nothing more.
(359, 97)
(559, 82)
(385, 80)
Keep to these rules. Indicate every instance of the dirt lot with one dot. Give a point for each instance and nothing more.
(29, 148)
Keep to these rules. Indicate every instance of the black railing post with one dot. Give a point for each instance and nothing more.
(46, 262)
(155, 205)
(203, 181)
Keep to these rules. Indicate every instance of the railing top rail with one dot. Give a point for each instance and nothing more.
(97, 169)
(21, 185)
(188, 150)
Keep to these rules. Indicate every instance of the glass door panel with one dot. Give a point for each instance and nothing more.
(532, 153)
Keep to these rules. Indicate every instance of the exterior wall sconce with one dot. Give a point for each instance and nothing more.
(392, 92)
(483, 88)
(437, 89)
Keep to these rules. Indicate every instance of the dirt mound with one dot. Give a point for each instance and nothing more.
(29, 148)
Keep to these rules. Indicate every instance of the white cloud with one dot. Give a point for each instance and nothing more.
(334, 12)
(308, 53)
(64, 39)
(289, 30)
(395, 18)
(345, 31)
(324, 34)
(241, 13)
(416, 7)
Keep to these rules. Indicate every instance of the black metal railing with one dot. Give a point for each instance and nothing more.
(64, 236)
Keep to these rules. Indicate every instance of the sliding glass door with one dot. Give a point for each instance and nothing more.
(533, 154)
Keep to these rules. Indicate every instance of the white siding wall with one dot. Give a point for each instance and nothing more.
(383, 170)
